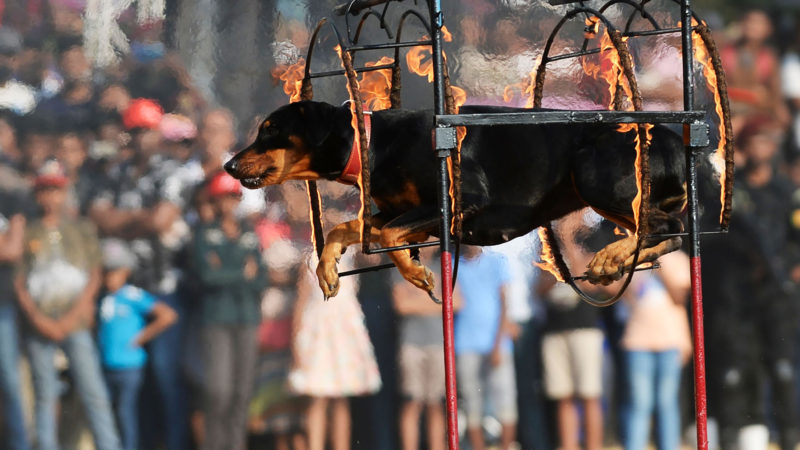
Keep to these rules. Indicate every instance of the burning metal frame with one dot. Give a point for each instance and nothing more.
(448, 131)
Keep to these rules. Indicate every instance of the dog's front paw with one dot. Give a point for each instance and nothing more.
(328, 276)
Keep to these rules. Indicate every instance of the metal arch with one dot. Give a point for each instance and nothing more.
(394, 95)
(313, 43)
(642, 225)
(381, 21)
(542, 69)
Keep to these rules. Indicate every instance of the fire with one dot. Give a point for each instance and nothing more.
(376, 85)
(637, 200)
(547, 255)
(702, 55)
(292, 78)
(592, 27)
(609, 69)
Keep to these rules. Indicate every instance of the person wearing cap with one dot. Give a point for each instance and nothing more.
(129, 317)
(136, 207)
(227, 268)
(56, 282)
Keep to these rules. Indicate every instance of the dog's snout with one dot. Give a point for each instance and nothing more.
(232, 166)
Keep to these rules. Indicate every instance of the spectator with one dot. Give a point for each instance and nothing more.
(421, 364)
(484, 351)
(526, 313)
(227, 265)
(12, 232)
(657, 343)
(123, 331)
(752, 72)
(333, 358)
(751, 305)
(137, 208)
(56, 284)
(572, 350)
(14, 95)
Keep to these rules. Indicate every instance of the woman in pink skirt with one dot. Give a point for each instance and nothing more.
(332, 358)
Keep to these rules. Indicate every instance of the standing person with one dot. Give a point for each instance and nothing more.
(753, 308)
(12, 233)
(227, 265)
(422, 378)
(572, 352)
(752, 71)
(656, 342)
(56, 283)
(484, 351)
(123, 331)
(333, 358)
(525, 311)
(137, 207)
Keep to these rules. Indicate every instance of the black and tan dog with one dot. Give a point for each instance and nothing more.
(515, 178)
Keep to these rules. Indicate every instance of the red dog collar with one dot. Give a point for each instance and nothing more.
(352, 170)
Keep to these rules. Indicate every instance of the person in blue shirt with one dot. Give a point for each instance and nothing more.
(129, 317)
(484, 350)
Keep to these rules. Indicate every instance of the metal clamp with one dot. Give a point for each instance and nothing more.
(444, 140)
(698, 134)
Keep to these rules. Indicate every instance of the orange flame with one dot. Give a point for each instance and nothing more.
(376, 85)
(292, 78)
(609, 69)
(702, 55)
(592, 27)
(547, 256)
(637, 200)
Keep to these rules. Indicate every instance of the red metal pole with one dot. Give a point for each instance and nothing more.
(692, 155)
(701, 400)
(451, 400)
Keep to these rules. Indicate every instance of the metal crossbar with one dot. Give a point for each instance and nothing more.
(539, 117)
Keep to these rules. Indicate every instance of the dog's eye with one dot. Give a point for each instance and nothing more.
(271, 131)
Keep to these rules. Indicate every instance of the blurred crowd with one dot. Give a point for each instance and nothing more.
(147, 301)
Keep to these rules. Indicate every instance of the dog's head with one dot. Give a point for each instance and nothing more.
(300, 141)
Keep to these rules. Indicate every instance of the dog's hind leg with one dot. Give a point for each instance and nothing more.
(339, 238)
(615, 259)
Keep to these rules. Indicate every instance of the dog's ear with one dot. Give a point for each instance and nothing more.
(323, 121)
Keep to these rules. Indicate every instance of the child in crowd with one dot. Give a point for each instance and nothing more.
(129, 318)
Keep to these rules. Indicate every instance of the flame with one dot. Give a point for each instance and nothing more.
(702, 56)
(621, 232)
(592, 27)
(376, 85)
(547, 256)
(637, 200)
(292, 78)
(446, 34)
(609, 69)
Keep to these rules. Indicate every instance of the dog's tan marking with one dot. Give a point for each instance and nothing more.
(266, 124)
(406, 199)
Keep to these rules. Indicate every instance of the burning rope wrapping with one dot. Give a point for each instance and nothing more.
(548, 236)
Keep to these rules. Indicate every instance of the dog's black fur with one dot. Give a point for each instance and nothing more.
(515, 177)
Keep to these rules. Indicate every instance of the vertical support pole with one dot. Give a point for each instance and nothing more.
(451, 403)
(701, 402)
